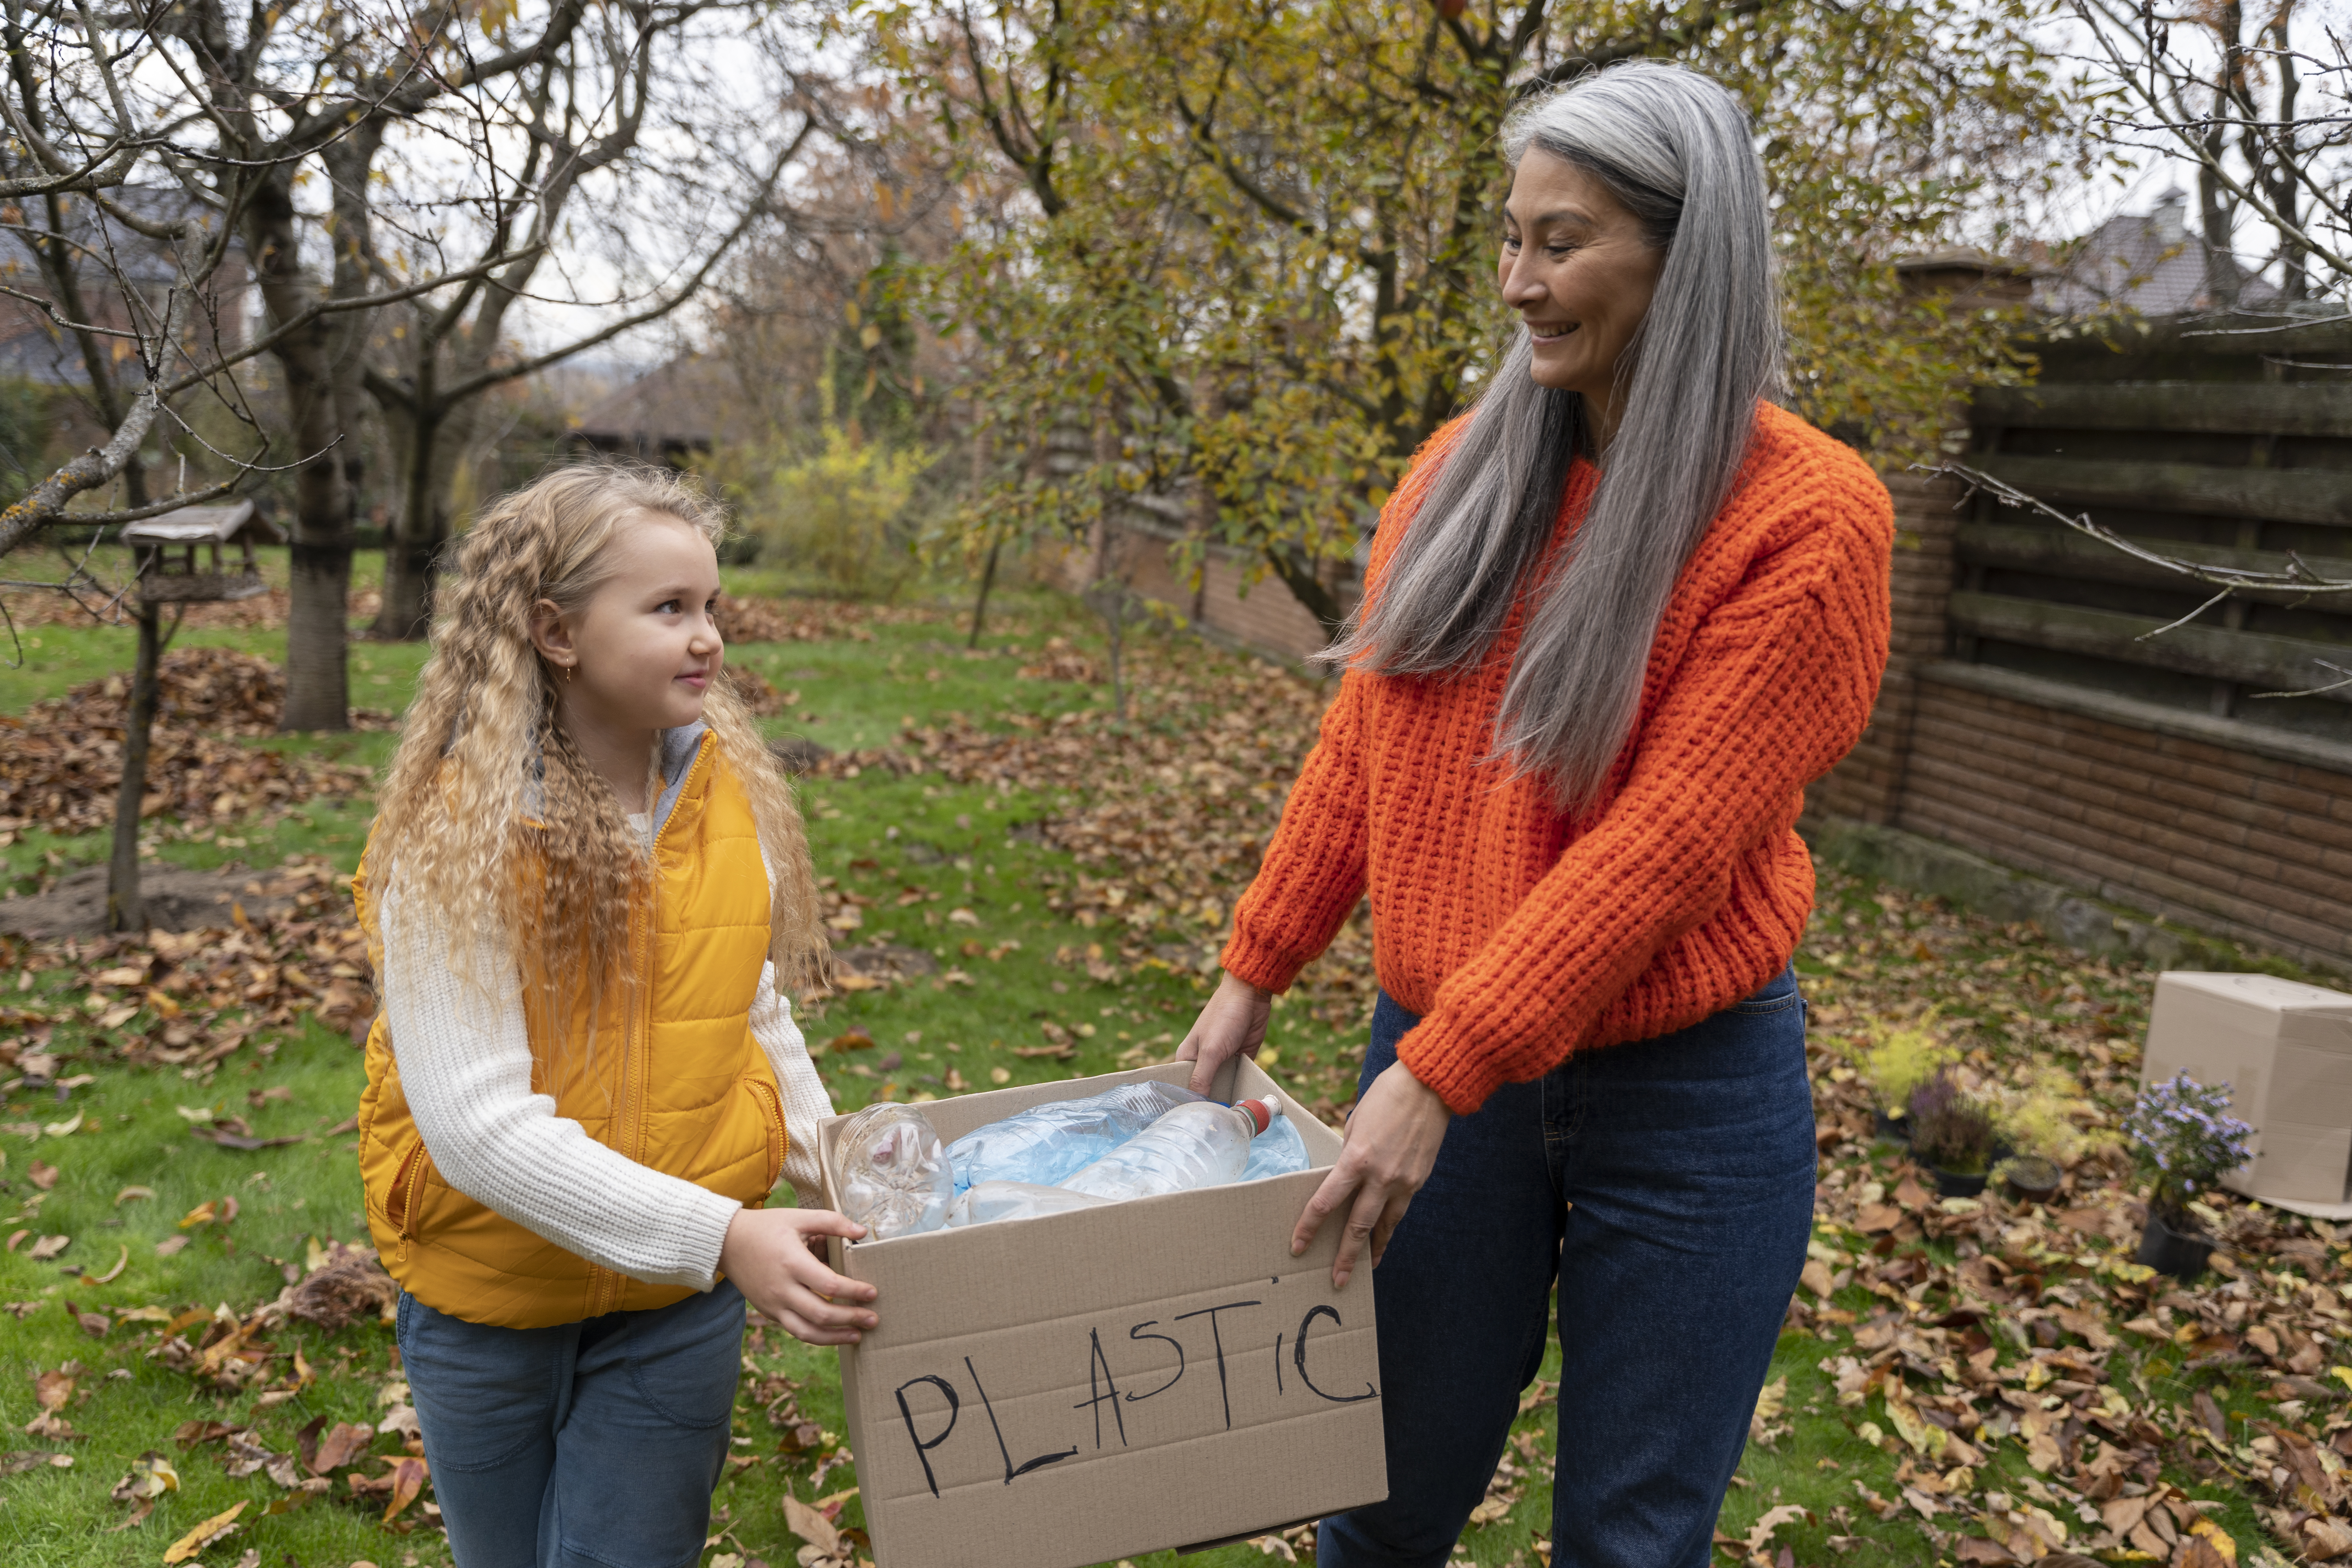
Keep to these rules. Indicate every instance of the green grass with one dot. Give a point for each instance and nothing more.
(878, 834)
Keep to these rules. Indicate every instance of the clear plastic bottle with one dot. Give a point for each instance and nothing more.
(894, 1175)
(1200, 1145)
(985, 1202)
(1047, 1143)
(1277, 1153)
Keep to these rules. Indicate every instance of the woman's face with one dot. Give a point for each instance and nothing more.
(1576, 268)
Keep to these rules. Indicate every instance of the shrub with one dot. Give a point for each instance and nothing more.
(2187, 1139)
(1950, 1129)
(1902, 1060)
(843, 513)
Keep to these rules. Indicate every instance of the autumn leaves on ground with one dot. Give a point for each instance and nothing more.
(1024, 886)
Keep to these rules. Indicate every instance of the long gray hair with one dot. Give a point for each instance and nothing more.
(1673, 147)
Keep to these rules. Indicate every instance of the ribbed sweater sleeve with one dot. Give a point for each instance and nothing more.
(806, 1103)
(1789, 663)
(1313, 871)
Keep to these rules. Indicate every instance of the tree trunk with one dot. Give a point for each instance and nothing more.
(125, 911)
(420, 527)
(1297, 574)
(979, 606)
(318, 689)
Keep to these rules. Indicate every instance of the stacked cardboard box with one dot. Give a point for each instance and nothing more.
(2285, 1050)
(1070, 1390)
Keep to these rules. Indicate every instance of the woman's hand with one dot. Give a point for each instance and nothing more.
(1231, 1024)
(1393, 1140)
(771, 1254)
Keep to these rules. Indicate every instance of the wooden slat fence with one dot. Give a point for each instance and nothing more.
(2040, 714)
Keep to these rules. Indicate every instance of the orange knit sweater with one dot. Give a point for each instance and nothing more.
(1521, 936)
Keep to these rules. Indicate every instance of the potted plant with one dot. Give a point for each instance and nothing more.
(2043, 1141)
(1952, 1134)
(2186, 1140)
(1901, 1061)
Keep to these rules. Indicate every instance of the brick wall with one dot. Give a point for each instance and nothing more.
(2217, 836)
(1263, 615)
(2214, 824)
(1868, 786)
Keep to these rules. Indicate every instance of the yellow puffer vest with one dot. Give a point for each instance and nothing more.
(673, 1078)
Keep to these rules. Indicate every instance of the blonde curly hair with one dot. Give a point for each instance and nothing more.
(457, 826)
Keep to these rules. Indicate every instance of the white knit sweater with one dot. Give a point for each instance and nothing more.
(465, 1069)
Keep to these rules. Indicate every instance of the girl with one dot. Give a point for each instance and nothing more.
(585, 891)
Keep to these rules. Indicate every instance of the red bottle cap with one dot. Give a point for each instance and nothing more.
(1259, 1112)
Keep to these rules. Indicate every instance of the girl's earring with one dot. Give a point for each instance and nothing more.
(567, 672)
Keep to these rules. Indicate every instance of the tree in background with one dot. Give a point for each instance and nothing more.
(639, 131)
(1255, 256)
(2259, 98)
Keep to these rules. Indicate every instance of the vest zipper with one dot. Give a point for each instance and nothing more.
(403, 1191)
(638, 1043)
(771, 1108)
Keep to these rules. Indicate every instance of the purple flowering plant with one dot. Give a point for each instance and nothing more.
(1950, 1129)
(2187, 1141)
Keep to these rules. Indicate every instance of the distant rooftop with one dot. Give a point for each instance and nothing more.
(2148, 261)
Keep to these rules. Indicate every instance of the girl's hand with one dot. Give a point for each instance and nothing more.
(771, 1254)
(1392, 1141)
(1233, 1024)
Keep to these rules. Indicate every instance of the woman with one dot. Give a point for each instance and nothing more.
(1617, 618)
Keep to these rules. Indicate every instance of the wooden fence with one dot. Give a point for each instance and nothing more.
(2037, 712)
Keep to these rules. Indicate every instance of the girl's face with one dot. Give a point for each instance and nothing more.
(641, 653)
(1577, 269)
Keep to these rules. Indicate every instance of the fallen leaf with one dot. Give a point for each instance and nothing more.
(203, 1535)
(201, 1214)
(151, 1477)
(407, 1480)
(345, 1444)
(48, 1247)
(2214, 1536)
(65, 1129)
(170, 1245)
(131, 1194)
(43, 1177)
(811, 1526)
(1760, 1534)
(121, 1261)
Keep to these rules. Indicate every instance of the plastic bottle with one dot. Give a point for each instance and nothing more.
(985, 1202)
(1047, 1143)
(1199, 1145)
(1277, 1153)
(894, 1175)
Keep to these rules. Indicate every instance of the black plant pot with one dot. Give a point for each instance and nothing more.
(2032, 1178)
(1953, 1185)
(2168, 1251)
(1893, 1129)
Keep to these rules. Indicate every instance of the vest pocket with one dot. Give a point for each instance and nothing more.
(408, 1195)
(771, 1114)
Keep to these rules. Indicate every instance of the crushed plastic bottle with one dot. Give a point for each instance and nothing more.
(893, 1175)
(985, 1202)
(1202, 1144)
(1277, 1153)
(1045, 1144)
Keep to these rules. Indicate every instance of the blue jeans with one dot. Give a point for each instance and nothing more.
(595, 1443)
(1668, 1185)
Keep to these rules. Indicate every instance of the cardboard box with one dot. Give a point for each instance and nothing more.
(2285, 1050)
(1070, 1390)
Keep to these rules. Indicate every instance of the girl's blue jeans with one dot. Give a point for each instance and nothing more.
(1667, 1185)
(594, 1443)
